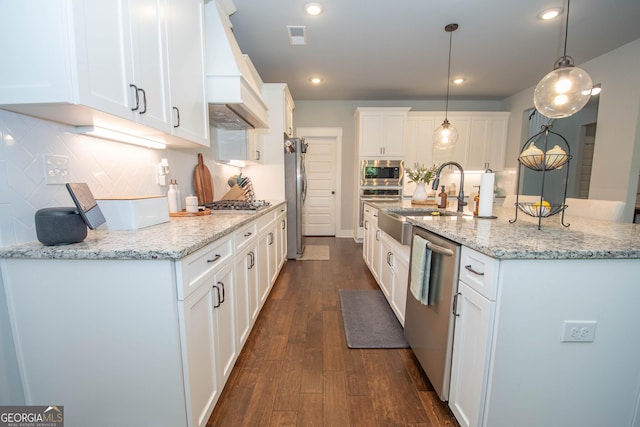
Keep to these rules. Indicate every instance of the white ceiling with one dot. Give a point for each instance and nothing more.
(397, 49)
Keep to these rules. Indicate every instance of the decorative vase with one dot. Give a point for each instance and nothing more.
(420, 193)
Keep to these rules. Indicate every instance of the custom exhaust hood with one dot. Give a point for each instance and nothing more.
(233, 85)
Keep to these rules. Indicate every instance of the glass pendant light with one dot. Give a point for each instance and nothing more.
(446, 136)
(565, 90)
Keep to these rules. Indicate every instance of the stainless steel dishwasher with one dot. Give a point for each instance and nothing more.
(429, 327)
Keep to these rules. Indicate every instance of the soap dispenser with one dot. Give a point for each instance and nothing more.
(442, 198)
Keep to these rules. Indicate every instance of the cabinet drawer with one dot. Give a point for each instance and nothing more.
(480, 272)
(201, 262)
(265, 220)
(244, 236)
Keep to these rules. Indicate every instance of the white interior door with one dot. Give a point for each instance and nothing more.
(318, 212)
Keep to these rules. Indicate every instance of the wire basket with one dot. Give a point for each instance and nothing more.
(537, 210)
(548, 162)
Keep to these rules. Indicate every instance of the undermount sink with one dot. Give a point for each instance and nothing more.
(394, 221)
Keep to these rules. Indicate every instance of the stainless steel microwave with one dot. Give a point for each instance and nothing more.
(381, 173)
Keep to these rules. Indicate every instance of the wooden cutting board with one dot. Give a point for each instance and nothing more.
(202, 183)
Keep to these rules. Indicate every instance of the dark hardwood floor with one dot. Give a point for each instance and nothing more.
(296, 368)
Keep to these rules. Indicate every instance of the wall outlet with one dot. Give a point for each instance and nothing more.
(56, 169)
(578, 331)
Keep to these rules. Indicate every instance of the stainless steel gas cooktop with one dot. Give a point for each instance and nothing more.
(237, 205)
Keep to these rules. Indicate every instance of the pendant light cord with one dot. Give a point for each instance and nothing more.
(566, 31)
(450, 28)
(446, 108)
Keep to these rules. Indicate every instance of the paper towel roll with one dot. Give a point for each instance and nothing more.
(486, 194)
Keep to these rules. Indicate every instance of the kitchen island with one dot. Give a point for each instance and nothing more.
(517, 356)
(149, 322)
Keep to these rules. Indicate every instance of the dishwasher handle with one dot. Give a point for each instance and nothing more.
(439, 249)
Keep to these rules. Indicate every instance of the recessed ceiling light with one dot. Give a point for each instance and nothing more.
(315, 80)
(458, 80)
(545, 15)
(313, 8)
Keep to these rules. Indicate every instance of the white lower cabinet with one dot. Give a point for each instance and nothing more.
(156, 338)
(371, 240)
(370, 224)
(211, 350)
(281, 237)
(470, 355)
(475, 304)
(388, 261)
(246, 269)
(511, 363)
(394, 274)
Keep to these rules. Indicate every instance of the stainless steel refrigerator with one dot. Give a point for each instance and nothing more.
(295, 192)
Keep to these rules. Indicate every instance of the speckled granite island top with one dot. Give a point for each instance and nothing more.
(171, 240)
(583, 239)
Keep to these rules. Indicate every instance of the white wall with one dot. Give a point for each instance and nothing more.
(616, 162)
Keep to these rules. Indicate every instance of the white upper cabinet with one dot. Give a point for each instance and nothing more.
(185, 47)
(380, 132)
(289, 106)
(482, 138)
(104, 63)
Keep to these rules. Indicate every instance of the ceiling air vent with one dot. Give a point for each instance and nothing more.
(297, 34)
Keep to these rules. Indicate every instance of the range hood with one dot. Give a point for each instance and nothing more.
(233, 86)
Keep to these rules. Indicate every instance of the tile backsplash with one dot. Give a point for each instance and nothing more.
(109, 168)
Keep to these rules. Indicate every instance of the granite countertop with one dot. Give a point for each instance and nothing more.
(498, 238)
(171, 240)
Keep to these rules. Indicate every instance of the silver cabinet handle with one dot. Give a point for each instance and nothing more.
(477, 273)
(378, 235)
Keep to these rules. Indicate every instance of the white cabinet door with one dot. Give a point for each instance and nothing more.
(394, 274)
(367, 237)
(400, 283)
(381, 132)
(272, 250)
(246, 295)
(200, 328)
(185, 47)
(386, 272)
(482, 138)
(376, 252)
(103, 34)
(282, 238)
(263, 267)
(237, 145)
(223, 287)
(470, 361)
(150, 70)
(288, 113)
